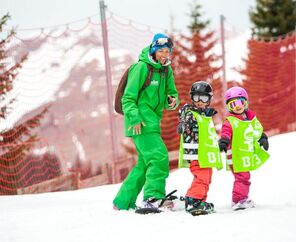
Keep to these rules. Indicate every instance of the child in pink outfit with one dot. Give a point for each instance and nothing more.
(237, 105)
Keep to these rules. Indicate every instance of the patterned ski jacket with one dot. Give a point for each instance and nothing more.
(188, 126)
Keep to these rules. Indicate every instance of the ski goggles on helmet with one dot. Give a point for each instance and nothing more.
(163, 41)
(201, 97)
(237, 102)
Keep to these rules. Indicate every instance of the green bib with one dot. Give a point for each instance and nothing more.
(247, 154)
(208, 148)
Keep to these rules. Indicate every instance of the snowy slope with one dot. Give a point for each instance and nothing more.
(87, 215)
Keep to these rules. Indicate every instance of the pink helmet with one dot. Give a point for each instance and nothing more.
(234, 92)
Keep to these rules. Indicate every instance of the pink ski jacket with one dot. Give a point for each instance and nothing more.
(226, 130)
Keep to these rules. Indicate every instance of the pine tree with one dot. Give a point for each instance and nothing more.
(15, 142)
(193, 60)
(197, 24)
(273, 18)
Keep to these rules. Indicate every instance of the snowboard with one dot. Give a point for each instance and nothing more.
(147, 210)
(238, 209)
(198, 212)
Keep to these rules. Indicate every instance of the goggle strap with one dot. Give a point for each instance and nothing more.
(163, 41)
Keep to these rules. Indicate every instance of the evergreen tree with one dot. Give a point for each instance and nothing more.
(15, 142)
(193, 60)
(273, 18)
(194, 55)
(197, 24)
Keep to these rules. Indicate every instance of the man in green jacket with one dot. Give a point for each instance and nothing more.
(142, 118)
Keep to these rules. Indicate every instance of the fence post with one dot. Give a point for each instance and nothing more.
(109, 88)
(224, 81)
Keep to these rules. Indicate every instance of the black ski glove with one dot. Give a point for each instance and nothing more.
(263, 141)
(223, 144)
(211, 112)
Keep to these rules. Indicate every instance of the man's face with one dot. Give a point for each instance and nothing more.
(162, 55)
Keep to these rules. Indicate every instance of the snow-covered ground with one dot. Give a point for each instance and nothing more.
(87, 215)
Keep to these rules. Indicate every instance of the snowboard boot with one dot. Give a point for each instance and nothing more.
(243, 204)
(162, 204)
(197, 207)
(153, 205)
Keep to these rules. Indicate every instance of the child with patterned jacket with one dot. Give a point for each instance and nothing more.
(241, 137)
(199, 148)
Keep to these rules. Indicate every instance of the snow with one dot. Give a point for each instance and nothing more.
(79, 147)
(236, 49)
(87, 214)
(86, 84)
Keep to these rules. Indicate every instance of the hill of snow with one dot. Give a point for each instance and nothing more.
(87, 215)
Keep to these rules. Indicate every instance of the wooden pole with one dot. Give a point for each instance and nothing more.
(109, 88)
(224, 81)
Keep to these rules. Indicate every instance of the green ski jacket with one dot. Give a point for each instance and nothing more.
(148, 107)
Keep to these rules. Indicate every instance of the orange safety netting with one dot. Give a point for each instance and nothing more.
(18, 171)
(270, 81)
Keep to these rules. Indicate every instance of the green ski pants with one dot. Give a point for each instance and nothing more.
(150, 171)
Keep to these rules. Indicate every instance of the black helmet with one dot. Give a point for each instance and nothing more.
(201, 87)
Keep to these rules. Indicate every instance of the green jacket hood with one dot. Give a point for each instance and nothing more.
(147, 58)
